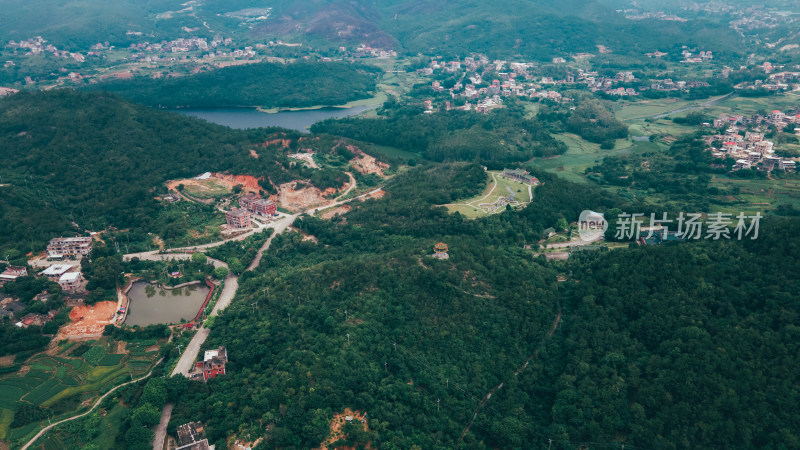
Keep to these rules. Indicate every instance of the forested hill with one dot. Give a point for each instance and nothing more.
(538, 29)
(96, 159)
(268, 85)
(657, 347)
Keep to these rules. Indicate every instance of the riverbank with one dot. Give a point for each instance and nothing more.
(376, 100)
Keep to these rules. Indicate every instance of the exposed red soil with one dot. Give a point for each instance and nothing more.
(88, 320)
(336, 428)
(331, 212)
(365, 163)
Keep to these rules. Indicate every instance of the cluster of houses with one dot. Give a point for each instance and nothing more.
(521, 175)
(668, 84)
(703, 56)
(365, 51)
(777, 81)
(38, 46)
(66, 275)
(749, 151)
(519, 79)
(12, 309)
(250, 204)
(635, 14)
(776, 118)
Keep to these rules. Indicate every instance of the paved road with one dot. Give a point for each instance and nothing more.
(279, 227)
(161, 430)
(184, 365)
(99, 400)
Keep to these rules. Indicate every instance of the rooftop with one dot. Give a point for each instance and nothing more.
(56, 270)
(81, 239)
(238, 212)
(70, 277)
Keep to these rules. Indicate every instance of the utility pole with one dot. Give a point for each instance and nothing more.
(395, 346)
(348, 339)
(345, 315)
(549, 443)
(254, 304)
(179, 347)
(437, 406)
(384, 366)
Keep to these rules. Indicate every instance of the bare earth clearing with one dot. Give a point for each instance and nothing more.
(88, 320)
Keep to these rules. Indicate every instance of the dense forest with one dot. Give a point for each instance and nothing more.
(264, 84)
(99, 161)
(655, 347)
(502, 135)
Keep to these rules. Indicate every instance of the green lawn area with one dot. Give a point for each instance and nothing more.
(640, 109)
(758, 194)
(749, 106)
(582, 154)
(496, 187)
(210, 188)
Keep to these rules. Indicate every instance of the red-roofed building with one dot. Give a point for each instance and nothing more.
(256, 205)
(213, 364)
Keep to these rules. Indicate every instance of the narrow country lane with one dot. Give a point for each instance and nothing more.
(96, 404)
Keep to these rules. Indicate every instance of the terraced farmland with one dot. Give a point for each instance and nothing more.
(63, 380)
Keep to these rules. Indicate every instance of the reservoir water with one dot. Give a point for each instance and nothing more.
(252, 118)
(151, 304)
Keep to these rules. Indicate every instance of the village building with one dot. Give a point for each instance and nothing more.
(11, 309)
(172, 197)
(12, 273)
(55, 271)
(520, 175)
(238, 218)
(69, 246)
(190, 437)
(33, 319)
(257, 205)
(213, 364)
(71, 282)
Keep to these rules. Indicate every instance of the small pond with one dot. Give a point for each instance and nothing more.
(151, 304)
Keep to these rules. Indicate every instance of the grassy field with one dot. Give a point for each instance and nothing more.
(62, 381)
(582, 154)
(749, 106)
(496, 187)
(640, 109)
(758, 194)
(209, 188)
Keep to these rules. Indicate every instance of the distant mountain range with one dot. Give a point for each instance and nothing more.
(530, 28)
(533, 28)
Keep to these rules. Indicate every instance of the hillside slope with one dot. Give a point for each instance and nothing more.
(98, 160)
